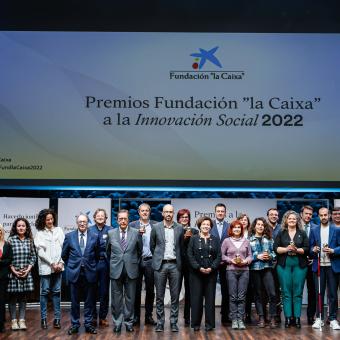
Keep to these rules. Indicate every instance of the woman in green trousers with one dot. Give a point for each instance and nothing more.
(292, 247)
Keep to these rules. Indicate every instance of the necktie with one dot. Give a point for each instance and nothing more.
(82, 243)
(123, 241)
(306, 229)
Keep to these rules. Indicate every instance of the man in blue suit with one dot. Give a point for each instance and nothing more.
(324, 242)
(80, 254)
(220, 230)
(306, 214)
(103, 270)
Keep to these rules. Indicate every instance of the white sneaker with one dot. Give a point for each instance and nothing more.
(15, 326)
(22, 324)
(334, 324)
(318, 323)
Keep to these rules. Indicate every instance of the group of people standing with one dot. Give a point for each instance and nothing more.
(256, 262)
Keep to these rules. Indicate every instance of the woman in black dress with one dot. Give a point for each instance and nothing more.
(204, 256)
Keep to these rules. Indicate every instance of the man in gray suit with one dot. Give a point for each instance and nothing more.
(166, 244)
(123, 248)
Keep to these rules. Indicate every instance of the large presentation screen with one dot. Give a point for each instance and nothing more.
(169, 106)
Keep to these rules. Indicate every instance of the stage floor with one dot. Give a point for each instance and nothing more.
(34, 332)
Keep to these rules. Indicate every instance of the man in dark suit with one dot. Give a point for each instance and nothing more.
(144, 225)
(324, 242)
(103, 276)
(80, 253)
(306, 214)
(123, 248)
(166, 244)
(220, 230)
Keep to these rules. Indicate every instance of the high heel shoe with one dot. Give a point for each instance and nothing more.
(297, 323)
(287, 323)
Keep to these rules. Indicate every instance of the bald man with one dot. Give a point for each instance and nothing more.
(167, 244)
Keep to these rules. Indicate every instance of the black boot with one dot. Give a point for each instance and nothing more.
(297, 323)
(43, 324)
(287, 323)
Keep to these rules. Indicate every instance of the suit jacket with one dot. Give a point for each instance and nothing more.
(225, 230)
(157, 244)
(5, 261)
(74, 260)
(333, 242)
(129, 258)
(102, 237)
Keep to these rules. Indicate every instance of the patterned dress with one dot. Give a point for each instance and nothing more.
(23, 256)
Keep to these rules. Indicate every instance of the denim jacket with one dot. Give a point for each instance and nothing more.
(257, 248)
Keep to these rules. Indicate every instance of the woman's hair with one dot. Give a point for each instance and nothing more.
(40, 223)
(202, 219)
(2, 236)
(233, 224)
(284, 222)
(267, 231)
(240, 217)
(28, 233)
(183, 212)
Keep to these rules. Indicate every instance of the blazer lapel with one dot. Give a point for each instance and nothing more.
(331, 231)
(318, 236)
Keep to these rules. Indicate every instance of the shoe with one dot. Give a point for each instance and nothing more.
(292, 321)
(22, 324)
(56, 323)
(150, 321)
(297, 323)
(310, 321)
(334, 325)
(234, 324)
(103, 323)
(247, 319)
(196, 328)
(15, 326)
(94, 322)
(129, 328)
(273, 323)
(73, 330)
(186, 322)
(43, 324)
(208, 328)
(318, 323)
(287, 323)
(174, 327)
(261, 323)
(159, 328)
(90, 329)
(225, 321)
(117, 329)
(278, 319)
(241, 324)
(136, 321)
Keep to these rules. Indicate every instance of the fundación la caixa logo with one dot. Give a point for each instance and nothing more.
(206, 65)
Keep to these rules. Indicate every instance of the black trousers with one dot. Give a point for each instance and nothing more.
(203, 287)
(224, 292)
(3, 294)
(263, 281)
(146, 270)
(187, 299)
(311, 307)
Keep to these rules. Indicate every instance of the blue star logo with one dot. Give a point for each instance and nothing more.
(205, 55)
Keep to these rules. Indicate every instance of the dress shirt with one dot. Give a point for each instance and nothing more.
(84, 237)
(146, 239)
(219, 226)
(169, 252)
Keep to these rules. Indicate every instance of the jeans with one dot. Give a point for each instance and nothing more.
(21, 298)
(50, 283)
(238, 284)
